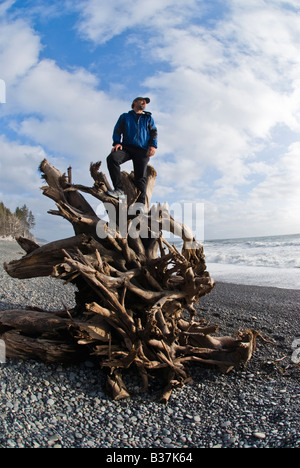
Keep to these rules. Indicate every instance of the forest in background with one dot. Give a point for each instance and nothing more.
(16, 224)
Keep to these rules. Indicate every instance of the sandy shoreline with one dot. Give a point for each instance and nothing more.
(51, 405)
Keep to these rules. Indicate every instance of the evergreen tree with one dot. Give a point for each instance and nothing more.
(26, 218)
(16, 224)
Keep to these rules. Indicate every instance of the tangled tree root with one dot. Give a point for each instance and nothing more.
(133, 292)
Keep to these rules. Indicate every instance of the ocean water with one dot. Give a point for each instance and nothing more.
(261, 261)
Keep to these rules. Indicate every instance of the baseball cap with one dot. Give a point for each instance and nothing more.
(145, 98)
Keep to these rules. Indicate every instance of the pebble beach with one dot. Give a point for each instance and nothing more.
(59, 406)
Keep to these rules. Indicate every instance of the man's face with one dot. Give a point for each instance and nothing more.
(140, 104)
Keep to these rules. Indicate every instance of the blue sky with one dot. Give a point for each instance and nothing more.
(223, 78)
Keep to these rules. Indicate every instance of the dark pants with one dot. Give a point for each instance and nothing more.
(140, 161)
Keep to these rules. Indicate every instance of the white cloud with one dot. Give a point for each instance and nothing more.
(282, 182)
(5, 6)
(71, 116)
(18, 167)
(272, 205)
(19, 49)
(266, 28)
(101, 20)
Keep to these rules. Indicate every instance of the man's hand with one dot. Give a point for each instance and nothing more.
(117, 147)
(151, 151)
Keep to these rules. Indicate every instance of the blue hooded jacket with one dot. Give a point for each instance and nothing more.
(135, 130)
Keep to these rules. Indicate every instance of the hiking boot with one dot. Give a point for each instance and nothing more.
(117, 194)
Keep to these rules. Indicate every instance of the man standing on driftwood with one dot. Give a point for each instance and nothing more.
(134, 138)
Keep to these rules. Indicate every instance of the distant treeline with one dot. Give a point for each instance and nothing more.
(16, 224)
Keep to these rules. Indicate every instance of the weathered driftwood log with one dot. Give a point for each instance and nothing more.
(134, 304)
